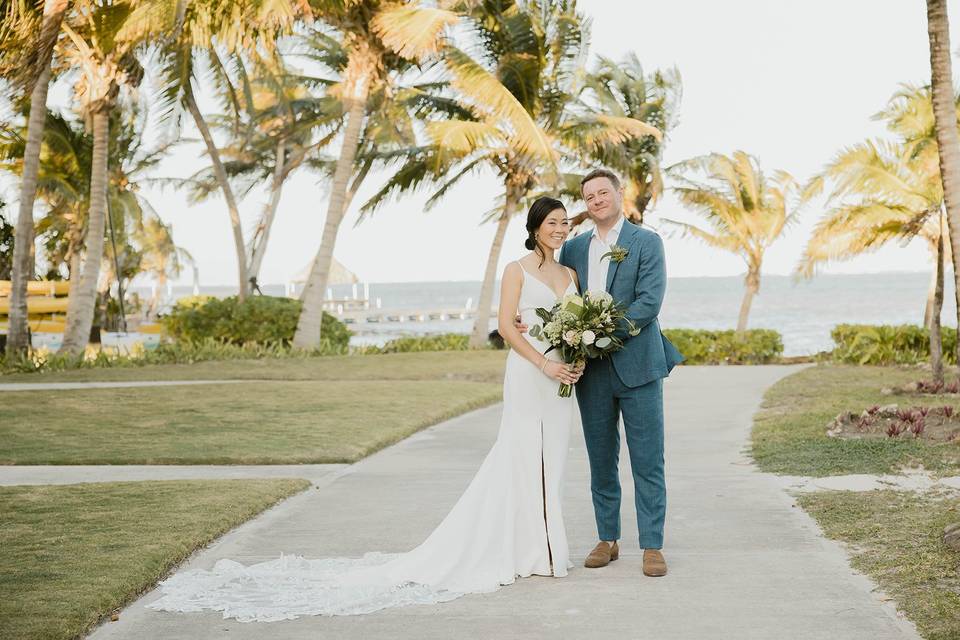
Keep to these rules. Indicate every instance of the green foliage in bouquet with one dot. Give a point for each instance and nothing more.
(888, 344)
(582, 327)
(258, 319)
(753, 346)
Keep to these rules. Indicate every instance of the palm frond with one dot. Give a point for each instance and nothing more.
(850, 230)
(487, 93)
(725, 242)
(413, 32)
(460, 137)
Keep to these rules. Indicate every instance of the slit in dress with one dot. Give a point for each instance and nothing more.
(543, 494)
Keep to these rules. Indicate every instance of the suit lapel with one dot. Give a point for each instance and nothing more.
(585, 263)
(623, 240)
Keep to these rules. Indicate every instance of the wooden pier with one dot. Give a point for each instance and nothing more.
(360, 310)
(374, 316)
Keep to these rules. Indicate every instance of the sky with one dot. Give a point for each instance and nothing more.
(789, 82)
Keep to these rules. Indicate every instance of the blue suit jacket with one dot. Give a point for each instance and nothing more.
(638, 283)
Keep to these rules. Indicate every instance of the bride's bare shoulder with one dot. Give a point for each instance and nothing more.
(513, 271)
(526, 260)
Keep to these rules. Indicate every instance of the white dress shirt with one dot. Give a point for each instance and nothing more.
(597, 270)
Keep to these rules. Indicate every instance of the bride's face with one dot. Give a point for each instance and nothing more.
(554, 229)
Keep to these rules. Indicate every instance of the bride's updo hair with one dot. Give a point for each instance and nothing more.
(539, 211)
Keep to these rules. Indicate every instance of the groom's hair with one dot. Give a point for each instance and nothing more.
(601, 173)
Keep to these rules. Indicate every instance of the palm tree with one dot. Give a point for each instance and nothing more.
(883, 191)
(898, 196)
(511, 112)
(745, 211)
(105, 61)
(272, 131)
(378, 35)
(623, 89)
(948, 140)
(63, 185)
(288, 116)
(198, 28)
(160, 256)
(909, 114)
(39, 78)
(394, 108)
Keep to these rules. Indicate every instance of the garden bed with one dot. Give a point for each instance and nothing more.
(934, 424)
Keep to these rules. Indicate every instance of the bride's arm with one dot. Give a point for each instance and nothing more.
(510, 285)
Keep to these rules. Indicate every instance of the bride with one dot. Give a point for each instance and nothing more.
(507, 524)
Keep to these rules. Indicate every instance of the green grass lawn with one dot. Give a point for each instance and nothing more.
(789, 433)
(285, 411)
(895, 538)
(481, 366)
(270, 422)
(73, 554)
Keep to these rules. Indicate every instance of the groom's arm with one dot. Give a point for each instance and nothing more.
(650, 288)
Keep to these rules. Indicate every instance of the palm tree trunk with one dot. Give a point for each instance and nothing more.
(83, 291)
(308, 326)
(74, 264)
(481, 324)
(945, 116)
(931, 294)
(936, 341)
(258, 242)
(752, 287)
(23, 260)
(21, 272)
(221, 176)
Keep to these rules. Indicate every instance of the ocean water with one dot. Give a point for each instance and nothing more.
(803, 311)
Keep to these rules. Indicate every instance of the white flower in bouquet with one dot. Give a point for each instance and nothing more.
(581, 328)
(552, 330)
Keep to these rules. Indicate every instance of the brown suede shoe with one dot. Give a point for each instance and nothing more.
(653, 563)
(602, 555)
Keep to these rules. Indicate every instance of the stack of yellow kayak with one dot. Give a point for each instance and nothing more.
(46, 305)
(47, 317)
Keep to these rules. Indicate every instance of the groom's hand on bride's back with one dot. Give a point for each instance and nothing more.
(518, 323)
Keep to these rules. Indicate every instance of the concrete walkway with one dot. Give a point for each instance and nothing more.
(745, 563)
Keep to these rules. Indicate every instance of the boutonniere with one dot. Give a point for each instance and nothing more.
(616, 253)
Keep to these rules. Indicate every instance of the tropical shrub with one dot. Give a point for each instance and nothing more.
(258, 319)
(702, 346)
(888, 344)
(408, 344)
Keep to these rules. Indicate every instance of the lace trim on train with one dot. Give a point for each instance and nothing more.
(293, 586)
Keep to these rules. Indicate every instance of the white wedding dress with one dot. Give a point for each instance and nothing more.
(508, 523)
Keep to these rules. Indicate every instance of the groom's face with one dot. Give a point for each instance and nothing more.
(603, 200)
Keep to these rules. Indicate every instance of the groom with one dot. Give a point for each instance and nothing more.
(630, 382)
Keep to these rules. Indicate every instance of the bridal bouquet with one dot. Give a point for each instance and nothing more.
(581, 327)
